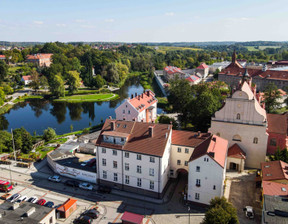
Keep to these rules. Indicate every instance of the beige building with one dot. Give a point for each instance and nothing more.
(243, 121)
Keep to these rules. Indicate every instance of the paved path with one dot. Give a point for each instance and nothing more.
(16, 95)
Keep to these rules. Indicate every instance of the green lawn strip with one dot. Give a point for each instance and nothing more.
(71, 133)
(5, 108)
(88, 98)
(24, 98)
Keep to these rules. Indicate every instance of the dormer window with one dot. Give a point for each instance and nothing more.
(124, 126)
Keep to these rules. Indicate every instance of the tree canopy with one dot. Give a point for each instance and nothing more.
(271, 97)
(49, 134)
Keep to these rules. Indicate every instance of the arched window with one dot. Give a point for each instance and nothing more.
(218, 134)
(255, 140)
(236, 138)
(238, 116)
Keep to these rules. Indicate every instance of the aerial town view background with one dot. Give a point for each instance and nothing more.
(143, 112)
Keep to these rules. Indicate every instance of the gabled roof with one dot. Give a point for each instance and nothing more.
(171, 70)
(143, 101)
(138, 140)
(235, 151)
(67, 205)
(215, 147)
(26, 77)
(274, 170)
(188, 138)
(274, 188)
(192, 78)
(202, 66)
(38, 56)
(278, 123)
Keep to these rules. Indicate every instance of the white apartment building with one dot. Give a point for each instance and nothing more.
(141, 107)
(207, 169)
(134, 156)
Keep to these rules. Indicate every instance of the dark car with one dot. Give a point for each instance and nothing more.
(72, 183)
(104, 189)
(91, 162)
(49, 204)
(84, 220)
(93, 213)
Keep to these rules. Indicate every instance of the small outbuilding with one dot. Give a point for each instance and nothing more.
(68, 207)
(132, 218)
(236, 158)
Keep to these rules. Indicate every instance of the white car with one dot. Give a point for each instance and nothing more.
(86, 186)
(54, 178)
(249, 212)
(33, 200)
(14, 198)
(23, 198)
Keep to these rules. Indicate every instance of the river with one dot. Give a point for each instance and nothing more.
(37, 115)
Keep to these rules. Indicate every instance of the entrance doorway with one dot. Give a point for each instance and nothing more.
(234, 166)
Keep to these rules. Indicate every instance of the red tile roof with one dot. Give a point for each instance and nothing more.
(38, 56)
(67, 205)
(215, 147)
(27, 77)
(278, 123)
(274, 188)
(188, 138)
(132, 218)
(235, 151)
(192, 78)
(172, 70)
(139, 140)
(2, 56)
(143, 101)
(274, 170)
(202, 66)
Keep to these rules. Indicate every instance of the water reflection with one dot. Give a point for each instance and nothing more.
(58, 110)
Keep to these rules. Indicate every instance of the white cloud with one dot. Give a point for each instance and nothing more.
(109, 20)
(38, 22)
(88, 26)
(246, 18)
(79, 20)
(169, 14)
(60, 24)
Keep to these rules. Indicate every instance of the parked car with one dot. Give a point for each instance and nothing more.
(49, 204)
(33, 199)
(41, 202)
(72, 183)
(23, 198)
(5, 196)
(104, 189)
(14, 197)
(54, 178)
(249, 212)
(91, 162)
(86, 186)
(93, 213)
(84, 220)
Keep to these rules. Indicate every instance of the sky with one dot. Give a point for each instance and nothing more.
(143, 20)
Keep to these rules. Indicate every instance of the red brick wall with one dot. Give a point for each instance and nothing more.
(281, 142)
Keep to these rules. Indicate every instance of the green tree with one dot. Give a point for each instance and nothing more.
(2, 96)
(49, 134)
(280, 155)
(5, 142)
(8, 89)
(73, 81)
(56, 86)
(3, 71)
(220, 212)
(271, 97)
(35, 84)
(98, 81)
(85, 131)
(23, 140)
(163, 119)
(43, 82)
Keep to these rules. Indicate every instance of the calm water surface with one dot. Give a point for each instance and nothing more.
(37, 115)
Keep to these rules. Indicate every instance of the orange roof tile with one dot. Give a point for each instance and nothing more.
(274, 170)
(235, 151)
(143, 101)
(38, 56)
(172, 70)
(202, 66)
(26, 77)
(274, 188)
(278, 123)
(67, 205)
(188, 138)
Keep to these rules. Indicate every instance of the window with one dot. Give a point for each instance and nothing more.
(152, 159)
(123, 111)
(127, 166)
(236, 138)
(178, 162)
(115, 164)
(151, 185)
(128, 111)
(114, 152)
(238, 116)
(118, 125)
(139, 182)
(198, 182)
(106, 137)
(51, 220)
(255, 140)
(139, 157)
(186, 150)
(103, 150)
(122, 139)
(127, 179)
(179, 149)
(104, 174)
(115, 176)
(186, 163)
(205, 159)
(197, 196)
(214, 187)
(139, 169)
(273, 142)
(171, 172)
(151, 172)
(197, 168)
(126, 154)
(103, 162)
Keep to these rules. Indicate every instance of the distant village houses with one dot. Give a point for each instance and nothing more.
(41, 60)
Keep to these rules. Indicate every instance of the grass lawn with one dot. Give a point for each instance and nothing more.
(24, 98)
(164, 49)
(252, 48)
(88, 98)
(5, 108)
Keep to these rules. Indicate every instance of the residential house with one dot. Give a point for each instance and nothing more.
(278, 132)
(274, 210)
(236, 158)
(134, 156)
(207, 169)
(141, 107)
(194, 79)
(275, 171)
(41, 60)
(203, 70)
(171, 72)
(67, 208)
(2, 57)
(27, 79)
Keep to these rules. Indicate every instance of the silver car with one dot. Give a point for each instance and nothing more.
(14, 197)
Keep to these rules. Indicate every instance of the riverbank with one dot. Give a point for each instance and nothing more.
(88, 98)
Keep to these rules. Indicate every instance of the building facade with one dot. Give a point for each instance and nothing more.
(41, 60)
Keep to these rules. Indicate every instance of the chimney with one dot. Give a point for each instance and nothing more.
(151, 131)
(135, 94)
(30, 211)
(132, 96)
(110, 117)
(112, 124)
(134, 119)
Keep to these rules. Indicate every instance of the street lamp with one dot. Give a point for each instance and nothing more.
(189, 214)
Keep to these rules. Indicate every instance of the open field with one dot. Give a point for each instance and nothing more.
(255, 48)
(88, 98)
(164, 49)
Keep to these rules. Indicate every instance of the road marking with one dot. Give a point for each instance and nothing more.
(115, 220)
(148, 220)
(44, 195)
(22, 190)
